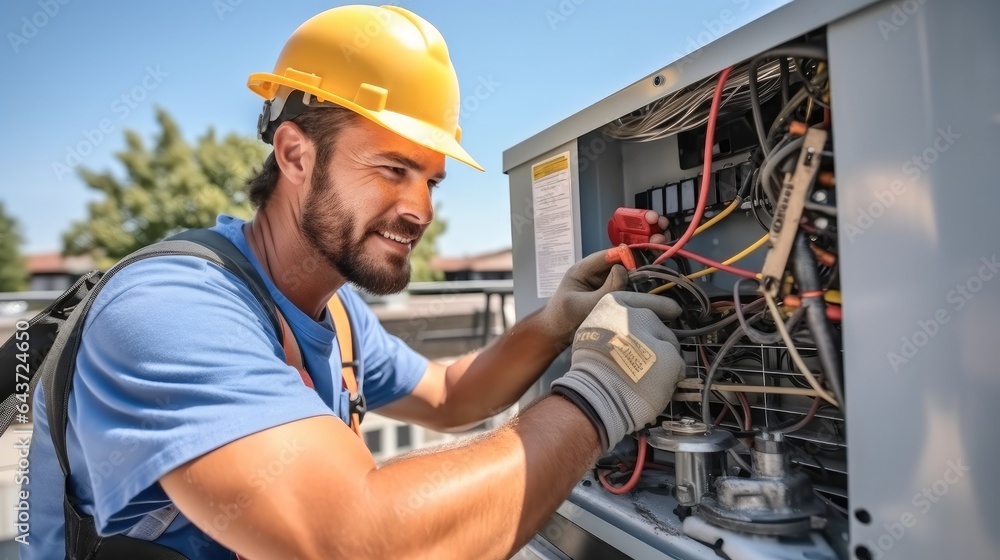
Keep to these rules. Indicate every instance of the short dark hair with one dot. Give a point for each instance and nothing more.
(322, 125)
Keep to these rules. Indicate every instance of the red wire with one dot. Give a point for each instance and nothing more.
(640, 462)
(747, 420)
(722, 414)
(706, 176)
(703, 260)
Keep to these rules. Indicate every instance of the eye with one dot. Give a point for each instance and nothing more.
(433, 184)
(396, 172)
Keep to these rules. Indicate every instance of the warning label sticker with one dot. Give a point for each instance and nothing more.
(555, 239)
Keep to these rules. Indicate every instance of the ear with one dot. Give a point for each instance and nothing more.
(294, 153)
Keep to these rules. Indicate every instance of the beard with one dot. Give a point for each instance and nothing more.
(329, 226)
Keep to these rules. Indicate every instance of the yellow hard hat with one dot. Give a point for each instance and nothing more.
(384, 63)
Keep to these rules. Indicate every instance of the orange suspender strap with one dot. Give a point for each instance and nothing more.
(293, 356)
(342, 325)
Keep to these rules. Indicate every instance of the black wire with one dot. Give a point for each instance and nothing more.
(785, 150)
(801, 50)
(815, 95)
(756, 336)
(656, 272)
(806, 277)
(714, 369)
(751, 307)
(783, 67)
(834, 275)
(757, 203)
(746, 185)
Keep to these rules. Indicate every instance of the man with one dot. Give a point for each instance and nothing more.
(183, 400)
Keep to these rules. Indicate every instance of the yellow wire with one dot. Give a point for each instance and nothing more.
(794, 353)
(718, 217)
(756, 245)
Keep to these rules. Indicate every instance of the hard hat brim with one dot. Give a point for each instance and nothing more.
(266, 85)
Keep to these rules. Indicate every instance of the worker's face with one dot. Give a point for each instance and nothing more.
(370, 205)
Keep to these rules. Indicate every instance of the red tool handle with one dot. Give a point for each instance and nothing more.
(629, 225)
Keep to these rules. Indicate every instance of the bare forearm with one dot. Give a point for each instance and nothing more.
(491, 380)
(479, 499)
(484, 499)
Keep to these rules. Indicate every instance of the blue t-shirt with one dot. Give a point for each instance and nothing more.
(178, 359)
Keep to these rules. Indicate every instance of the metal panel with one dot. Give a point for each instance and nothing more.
(523, 245)
(916, 122)
(779, 26)
(600, 187)
(917, 126)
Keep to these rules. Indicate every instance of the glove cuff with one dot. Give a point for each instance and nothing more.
(585, 407)
(607, 412)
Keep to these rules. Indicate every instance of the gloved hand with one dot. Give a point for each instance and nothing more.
(626, 364)
(579, 291)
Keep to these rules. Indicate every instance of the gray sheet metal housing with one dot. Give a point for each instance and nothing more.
(916, 124)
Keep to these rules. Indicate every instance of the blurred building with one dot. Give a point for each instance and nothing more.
(495, 265)
(52, 271)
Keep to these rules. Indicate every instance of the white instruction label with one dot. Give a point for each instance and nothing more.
(555, 247)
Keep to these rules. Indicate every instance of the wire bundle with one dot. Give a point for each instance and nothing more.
(714, 328)
(689, 108)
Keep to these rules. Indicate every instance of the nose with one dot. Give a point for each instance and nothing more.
(415, 203)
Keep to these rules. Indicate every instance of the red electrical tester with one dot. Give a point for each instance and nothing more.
(628, 226)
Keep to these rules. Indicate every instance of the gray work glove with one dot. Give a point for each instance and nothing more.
(626, 364)
(579, 291)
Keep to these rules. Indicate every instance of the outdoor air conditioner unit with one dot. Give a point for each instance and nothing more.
(895, 122)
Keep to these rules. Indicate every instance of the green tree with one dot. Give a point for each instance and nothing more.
(13, 274)
(420, 257)
(166, 189)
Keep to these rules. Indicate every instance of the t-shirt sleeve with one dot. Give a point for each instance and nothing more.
(390, 368)
(177, 359)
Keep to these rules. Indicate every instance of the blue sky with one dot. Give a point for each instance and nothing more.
(68, 63)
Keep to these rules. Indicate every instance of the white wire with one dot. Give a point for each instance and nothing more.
(794, 353)
(688, 109)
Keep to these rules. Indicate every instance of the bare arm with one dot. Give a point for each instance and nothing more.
(485, 383)
(310, 489)
(480, 384)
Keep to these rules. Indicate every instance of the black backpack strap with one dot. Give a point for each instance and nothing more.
(233, 260)
(57, 375)
(42, 331)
